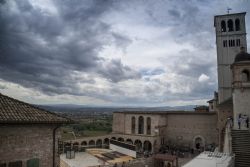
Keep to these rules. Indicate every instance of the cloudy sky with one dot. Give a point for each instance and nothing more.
(111, 52)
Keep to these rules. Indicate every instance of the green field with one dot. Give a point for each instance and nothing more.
(95, 127)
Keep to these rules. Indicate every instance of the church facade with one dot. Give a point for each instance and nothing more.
(150, 131)
(207, 127)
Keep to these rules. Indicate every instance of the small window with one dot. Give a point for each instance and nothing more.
(230, 25)
(238, 42)
(223, 26)
(237, 24)
(225, 43)
(15, 164)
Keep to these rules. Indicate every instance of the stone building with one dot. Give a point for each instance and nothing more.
(224, 123)
(151, 130)
(205, 126)
(28, 135)
(230, 33)
(231, 47)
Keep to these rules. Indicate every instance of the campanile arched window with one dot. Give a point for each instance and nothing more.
(223, 26)
(230, 25)
(133, 125)
(141, 125)
(237, 25)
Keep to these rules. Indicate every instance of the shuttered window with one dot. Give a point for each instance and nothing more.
(15, 164)
(33, 162)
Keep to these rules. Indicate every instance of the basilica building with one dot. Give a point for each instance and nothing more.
(222, 127)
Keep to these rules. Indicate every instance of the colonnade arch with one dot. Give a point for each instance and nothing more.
(147, 146)
(106, 141)
(91, 143)
(99, 143)
(141, 144)
(129, 141)
(120, 139)
(84, 143)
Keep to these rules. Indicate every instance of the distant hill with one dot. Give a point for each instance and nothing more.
(110, 109)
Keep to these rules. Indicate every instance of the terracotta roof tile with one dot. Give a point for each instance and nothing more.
(15, 111)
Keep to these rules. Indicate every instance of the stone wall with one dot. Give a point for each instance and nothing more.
(25, 142)
(241, 100)
(118, 123)
(183, 129)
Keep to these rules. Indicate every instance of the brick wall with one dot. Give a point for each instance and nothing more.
(24, 142)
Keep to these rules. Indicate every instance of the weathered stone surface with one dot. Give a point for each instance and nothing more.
(180, 128)
(24, 142)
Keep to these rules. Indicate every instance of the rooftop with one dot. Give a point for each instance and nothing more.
(230, 14)
(14, 111)
(209, 159)
(166, 112)
(242, 56)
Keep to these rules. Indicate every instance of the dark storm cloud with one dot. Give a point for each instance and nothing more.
(116, 71)
(174, 13)
(42, 50)
(193, 64)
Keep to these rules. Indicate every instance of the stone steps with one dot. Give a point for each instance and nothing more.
(241, 147)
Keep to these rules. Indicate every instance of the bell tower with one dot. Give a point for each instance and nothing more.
(230, 32)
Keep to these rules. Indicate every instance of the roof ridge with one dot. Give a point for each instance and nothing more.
(36, 107)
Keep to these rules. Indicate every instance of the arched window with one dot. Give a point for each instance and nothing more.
(245, 76)
(237, 24)
(141, 125)
(148, 125)
(133, 125)
(223, 26)
(230, 25)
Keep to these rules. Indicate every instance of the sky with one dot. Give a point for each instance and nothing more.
(111, 52)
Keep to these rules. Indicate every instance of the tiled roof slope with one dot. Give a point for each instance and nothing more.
(15, 111)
